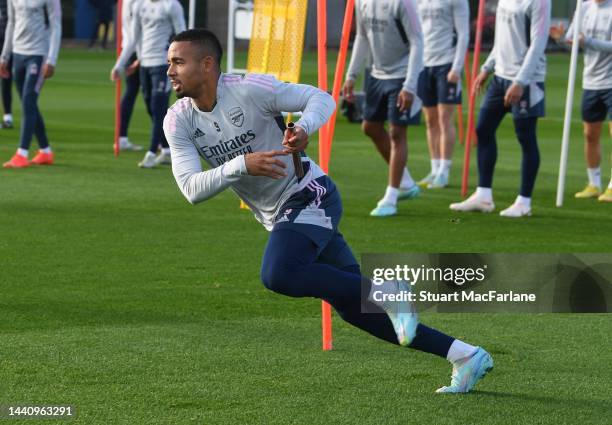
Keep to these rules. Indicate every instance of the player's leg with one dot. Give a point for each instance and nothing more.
(375, 114)
(592, 155)
(594, 113)
(146, 86)
(29, 81)
(526, 133)
(289, 268)
(448, 135)
(525, 115)
(7, 98)
(491, 115)
(128, 100)
(428, 94)
(432, 121)
(448, 96)
(160, 96)
(607, 195)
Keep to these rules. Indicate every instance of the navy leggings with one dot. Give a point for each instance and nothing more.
(132, 83)
(156, 93)
(7, 92)
(525, 129)
(292, 266)
(27, 72)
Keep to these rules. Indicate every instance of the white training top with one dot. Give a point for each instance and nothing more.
(597, 29)
(34, 28)
(521, 35)
(391, 31)
(153, 24)
(446, 29)
(127, 16)
(247, 118)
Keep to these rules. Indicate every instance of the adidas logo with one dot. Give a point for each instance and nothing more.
(198, 133)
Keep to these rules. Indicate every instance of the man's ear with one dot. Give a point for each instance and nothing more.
(208, 64)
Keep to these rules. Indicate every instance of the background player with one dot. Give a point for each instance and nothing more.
(32, 40)
(153, 23)
(132, 79)
(596, 40)
(391, 32)
(7, 83)
(519, 64)
(447, 35)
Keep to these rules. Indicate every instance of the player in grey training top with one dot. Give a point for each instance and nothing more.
(596, 40)
(32, 39)
(447, 35)
(390, 31)
(153, 24)
(519, 64)
(234, 124)
(132, 80)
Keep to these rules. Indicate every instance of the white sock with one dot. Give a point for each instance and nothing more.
(46, 150)
(165, 151)
(459, 350)
(8, 117)
(594, 176)
(407, 181)
(484, 193)
(23, 152)
(124, 140)
(390, 197)
(435, 165)
(523, 201)
(444, 169)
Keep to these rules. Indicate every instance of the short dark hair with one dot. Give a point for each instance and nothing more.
(206, 39)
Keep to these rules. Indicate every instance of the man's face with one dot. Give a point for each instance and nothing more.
(187, 69)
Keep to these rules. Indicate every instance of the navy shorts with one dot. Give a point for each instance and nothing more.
(381, 102)
(315, 212)
(531, 105)
(596, 104)
(434, 87)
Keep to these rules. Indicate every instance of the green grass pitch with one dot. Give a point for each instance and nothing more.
(121, 299)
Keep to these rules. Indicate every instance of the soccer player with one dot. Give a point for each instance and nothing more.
(153, 24)
(7, 83)
(519, 64)
(32, 41)
(447, 35)
(391, 32)
(234, 124)
(132, 79)
(596, 40)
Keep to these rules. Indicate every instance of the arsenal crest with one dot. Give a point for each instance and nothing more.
(236, 116)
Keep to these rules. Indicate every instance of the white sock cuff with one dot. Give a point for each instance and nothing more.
(523, 200)
(459, 350)
(22, 152)
(485, 193)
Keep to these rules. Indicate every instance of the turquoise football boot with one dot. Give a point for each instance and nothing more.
(468, 372)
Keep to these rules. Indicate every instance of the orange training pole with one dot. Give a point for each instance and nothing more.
(339, 77)
(118, 84)
(326, 321)
(470, 125)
